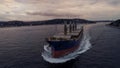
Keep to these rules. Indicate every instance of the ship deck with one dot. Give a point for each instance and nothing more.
(62, 36)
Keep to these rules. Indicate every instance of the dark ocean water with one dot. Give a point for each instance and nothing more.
(21, 47)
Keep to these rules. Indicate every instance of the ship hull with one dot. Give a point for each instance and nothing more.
(64, 47)
(57, 54)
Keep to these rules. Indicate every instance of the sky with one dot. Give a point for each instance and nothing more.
(32, 10)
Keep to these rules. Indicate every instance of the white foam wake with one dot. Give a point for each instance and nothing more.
(84, 46)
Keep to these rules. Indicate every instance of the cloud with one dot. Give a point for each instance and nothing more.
(113, 2)
(49, 9)
(54, 14)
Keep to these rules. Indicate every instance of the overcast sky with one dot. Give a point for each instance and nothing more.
(31, 10)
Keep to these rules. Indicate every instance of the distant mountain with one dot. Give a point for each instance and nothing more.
(62, 21)
(104, 21)
(116, 23)
(45, 22)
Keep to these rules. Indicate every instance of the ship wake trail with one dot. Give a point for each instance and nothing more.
(84, 46)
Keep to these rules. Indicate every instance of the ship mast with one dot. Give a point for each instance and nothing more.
(70, 27)
(75, 26)
(65, 28)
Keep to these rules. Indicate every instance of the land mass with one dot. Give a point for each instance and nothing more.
(45, 22)
(115, 23)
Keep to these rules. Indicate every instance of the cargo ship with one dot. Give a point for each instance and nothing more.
(67, 42)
